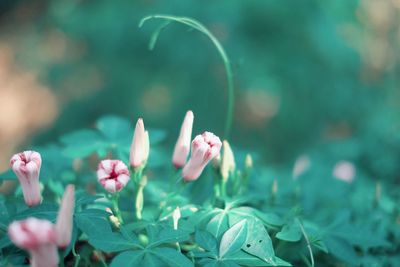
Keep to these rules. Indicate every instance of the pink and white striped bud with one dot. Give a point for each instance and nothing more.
(140, 146)
(205, 147)
(39, 238)
(113, 175)
(345, 171)
(65, 217)
(26, 165)
(182, 146)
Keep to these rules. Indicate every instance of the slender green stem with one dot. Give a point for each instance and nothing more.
(117, 212)
(307, 241)
(228, 69)
(223, 188)
(139, 198)
(76, 256)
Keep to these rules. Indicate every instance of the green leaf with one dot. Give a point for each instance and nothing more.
(166, 235)
(342, 250)
(92, 225)
(233, 239)
(246, 259)
(82, 143)
(128, 259)
(8, 175)
(115, 128)
(43, 211)
(83, 198)
(218, 224)
(258, 242)
(290, 232)
(111, 242)
(207, 241)
(172, 257)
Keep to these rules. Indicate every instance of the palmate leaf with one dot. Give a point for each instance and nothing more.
(112, 242)
(163, 233)
(172, 257)
(93, 222)
(258, 242)
(207, 241)
(290, 232)
(43, 211)
(128, 259)
(221, 219)
(218, 224)
(233, 239)
(160, 256)
(245, 259)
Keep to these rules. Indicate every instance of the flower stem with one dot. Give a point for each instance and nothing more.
(200, 27)
(76, 256)
(139, 196)
(307, 241)
(116, 210)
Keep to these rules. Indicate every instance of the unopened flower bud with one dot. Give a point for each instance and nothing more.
(176, 215)
(140, 146)
(64, 222)
(248, 162)
(301, 165)
(205, 147)
(26, 165)
(113, 219)
(274, 188)
(228, 164)
(113, 175)
(182, 146)
(345, 171)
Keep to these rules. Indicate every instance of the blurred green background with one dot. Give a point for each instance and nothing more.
(309, 75)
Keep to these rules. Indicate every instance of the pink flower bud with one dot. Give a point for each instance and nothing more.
(39, 238)
(345, 171)
(140, 147)
(301, 165)
(113, 175)
(205, 147)
(64, 218)
(182, 146)
(26, 165)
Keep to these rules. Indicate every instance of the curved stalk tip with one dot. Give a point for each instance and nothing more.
(200, 27)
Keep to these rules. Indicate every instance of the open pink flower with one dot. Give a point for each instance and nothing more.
(140, 146)
(113, 175)
(205, 147)
(39, 238)
(182, 146)
(26, 165)
(64, 218)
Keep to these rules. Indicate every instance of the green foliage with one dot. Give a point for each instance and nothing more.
(279, 220)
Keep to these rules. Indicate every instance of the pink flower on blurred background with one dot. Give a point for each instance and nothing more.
(39, 238)
(182, 146)
(113, 175)
(65, 216)
(345, 171)
(26, 165)
(140, 146)
(205, 147)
